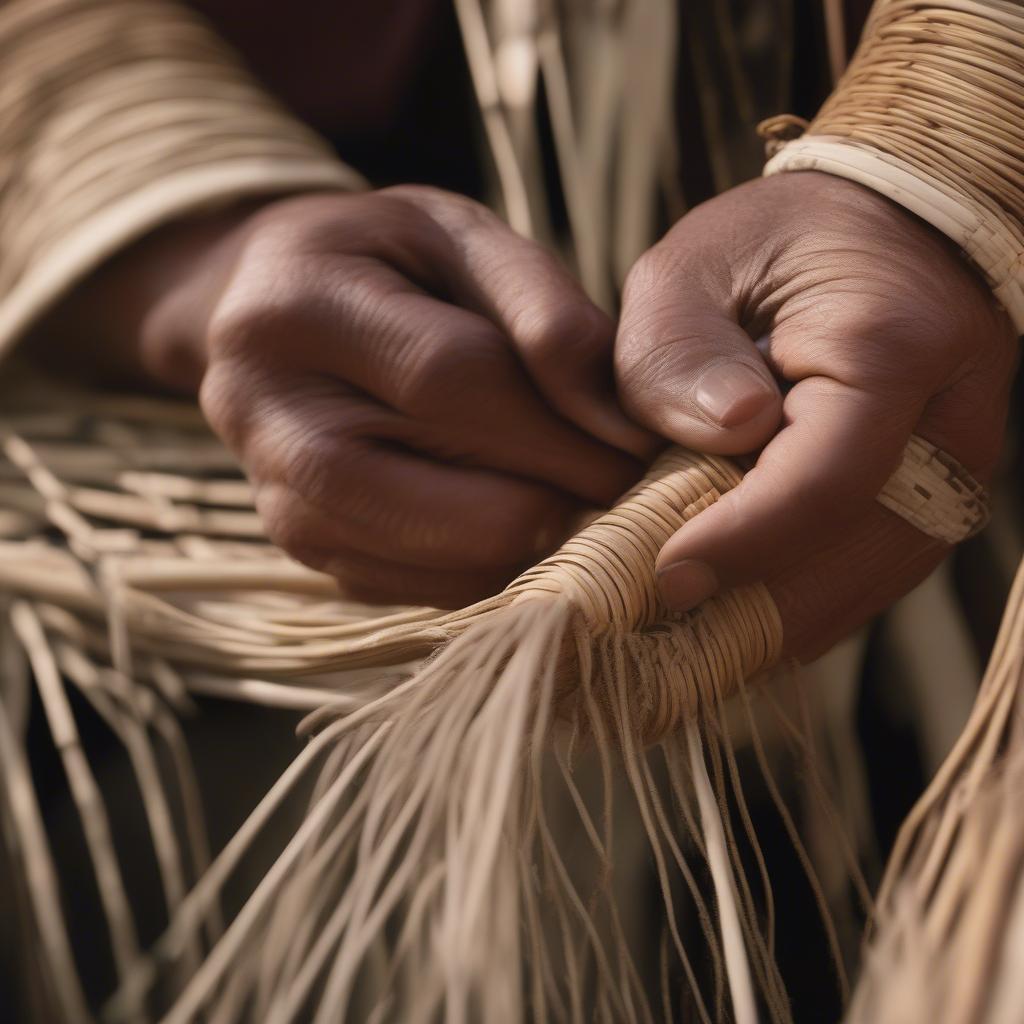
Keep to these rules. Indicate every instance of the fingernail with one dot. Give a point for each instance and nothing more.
(683, 585)
(732, 393)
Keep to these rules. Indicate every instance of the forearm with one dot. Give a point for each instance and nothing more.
(139, 320)
(118, 117)
(931, 113)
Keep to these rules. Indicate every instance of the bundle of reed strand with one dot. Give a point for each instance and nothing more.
(431, 874)
(948, 933)
(427, 877)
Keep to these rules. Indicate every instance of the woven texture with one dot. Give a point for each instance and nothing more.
(134, 572)
(931, 114)
(117, 116)
(948, 929)
(936, 494)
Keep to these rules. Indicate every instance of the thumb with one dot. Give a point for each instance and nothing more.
(684, 366)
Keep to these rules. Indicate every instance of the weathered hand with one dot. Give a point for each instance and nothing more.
(422, 399)
(816, 321)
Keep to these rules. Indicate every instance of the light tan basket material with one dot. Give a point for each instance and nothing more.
(931, 114)
(117, 116)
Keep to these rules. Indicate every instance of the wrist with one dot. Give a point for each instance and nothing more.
(141, 319)
(991, 246)
(182, 274)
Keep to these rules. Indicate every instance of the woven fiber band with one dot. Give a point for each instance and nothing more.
(989, 243)
(132, 563)
(933, 492)
(117, 116)
(931, 114)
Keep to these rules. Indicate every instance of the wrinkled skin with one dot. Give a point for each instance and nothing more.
(417, 448)
(869, 327)
(423, 400)
(425, 403)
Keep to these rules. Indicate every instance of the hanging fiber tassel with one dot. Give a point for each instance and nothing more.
(461, 854)
(438, 849)
(948, 931)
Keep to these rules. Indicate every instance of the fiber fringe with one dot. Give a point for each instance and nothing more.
(458, 857)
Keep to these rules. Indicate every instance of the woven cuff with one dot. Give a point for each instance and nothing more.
(931, 114)
(117, 116)
(996, 250)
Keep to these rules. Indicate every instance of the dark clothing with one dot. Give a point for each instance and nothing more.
(388, 84)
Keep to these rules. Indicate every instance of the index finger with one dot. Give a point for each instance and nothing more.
(562, 338)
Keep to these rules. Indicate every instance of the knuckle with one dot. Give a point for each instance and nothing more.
(225, 404)
(450, 210)
(304, 443)
(381, 223)
(397, 213)
(285, 522)
(256, 313)
(295, 227)
(233, 326)
(414, 194)
(419, 196)
(559, 337)
(444, 371)
(312, 461)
